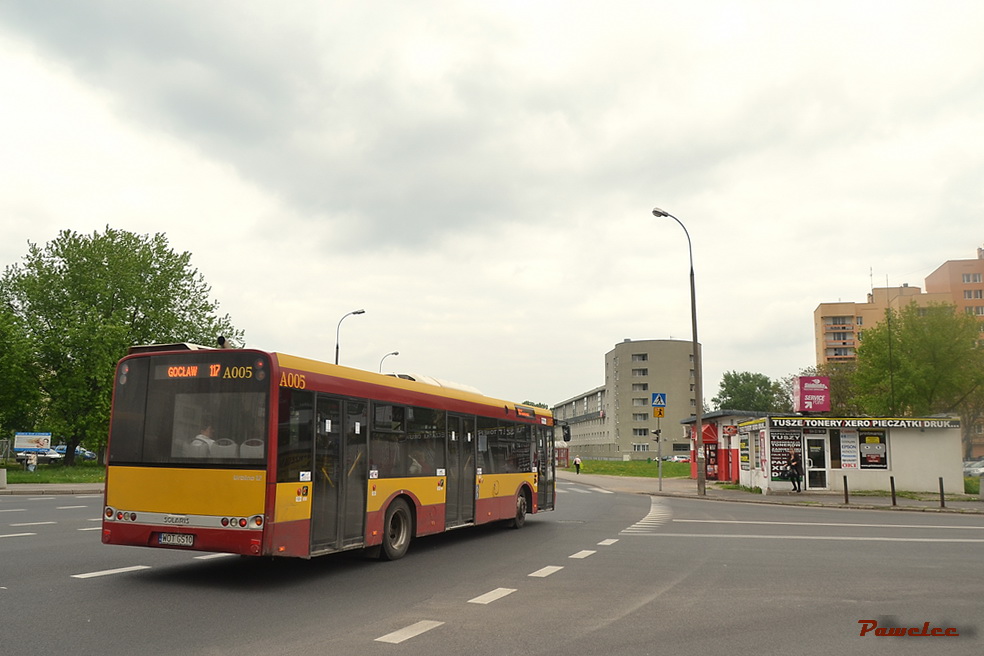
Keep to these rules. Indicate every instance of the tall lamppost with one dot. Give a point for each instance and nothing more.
(339, 328)
(384, 357)
(699, 406)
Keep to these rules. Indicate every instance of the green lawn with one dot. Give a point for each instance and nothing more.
(82, 472)
(639, 468)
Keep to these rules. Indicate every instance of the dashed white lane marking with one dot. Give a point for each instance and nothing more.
(16, 535)
(582, 554)
(607, 543)
(657, 517)
(546, 571)
(33, 524)
(494, 595)
(91, 528)
(13, 509)
(411, 631)
(69, 507)
(108, 572)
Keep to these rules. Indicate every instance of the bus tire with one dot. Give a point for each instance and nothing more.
(397, 530)
(520, 519)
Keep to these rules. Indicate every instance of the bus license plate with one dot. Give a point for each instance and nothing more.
(177, 539)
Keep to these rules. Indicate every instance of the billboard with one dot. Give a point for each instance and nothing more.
(811, 394)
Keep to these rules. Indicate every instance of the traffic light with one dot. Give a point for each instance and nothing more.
(566, 430)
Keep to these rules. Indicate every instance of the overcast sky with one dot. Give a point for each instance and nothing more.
(480, 176)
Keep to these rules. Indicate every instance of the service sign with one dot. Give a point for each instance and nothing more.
(812, 394)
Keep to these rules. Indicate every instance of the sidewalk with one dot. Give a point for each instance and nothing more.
(34, 489)
(685, 487)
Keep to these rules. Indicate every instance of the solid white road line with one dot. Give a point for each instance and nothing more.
(108, 572)
(494, 595)
(834, 538)
(734, 521)
(411, 631)
(215, 555)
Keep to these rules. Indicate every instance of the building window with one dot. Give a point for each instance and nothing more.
(640, 432)
(973, 293)
(640, 447)
(640, 402)
(640, 372)
(971, 277)
(640, 357)
(640, 416)
(860, 320)
(640, 387)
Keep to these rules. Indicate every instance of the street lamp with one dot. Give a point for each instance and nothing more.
(699, 406)
(384, 357)
(340, 327)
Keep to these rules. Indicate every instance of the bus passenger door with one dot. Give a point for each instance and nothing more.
(460, 487)
(328, 481)
(338, 505)
(546, 484)
(356, 472)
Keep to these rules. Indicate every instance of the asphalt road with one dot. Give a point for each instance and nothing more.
(607, 573)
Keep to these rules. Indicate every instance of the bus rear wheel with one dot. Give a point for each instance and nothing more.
(397, 530)
(520, 519)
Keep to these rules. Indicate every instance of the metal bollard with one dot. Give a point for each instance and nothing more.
(942, 500)
(891, 479)
(846, 500)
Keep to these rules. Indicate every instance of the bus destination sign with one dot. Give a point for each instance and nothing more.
(171, 371)
(208, 370)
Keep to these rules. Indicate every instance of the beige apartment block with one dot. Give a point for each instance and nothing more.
(616, 420)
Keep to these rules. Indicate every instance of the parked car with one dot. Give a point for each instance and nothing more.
(679, 458)
(85, 454)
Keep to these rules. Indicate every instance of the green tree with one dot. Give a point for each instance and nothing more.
(83, 300)
(20, 392)
(750, 391)
(922, 361)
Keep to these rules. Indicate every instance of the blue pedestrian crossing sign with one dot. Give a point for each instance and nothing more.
(659, 400)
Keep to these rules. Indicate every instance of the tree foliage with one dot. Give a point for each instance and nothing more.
(920, 361)
(80, 302)
(751, 391)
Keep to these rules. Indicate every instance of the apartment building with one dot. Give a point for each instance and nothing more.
(838, 327)
(616, 420)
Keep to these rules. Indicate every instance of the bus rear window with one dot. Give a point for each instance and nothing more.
(190, 408)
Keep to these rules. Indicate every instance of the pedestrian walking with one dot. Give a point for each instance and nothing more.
(577, 464)
(32, 461)
(795, 470)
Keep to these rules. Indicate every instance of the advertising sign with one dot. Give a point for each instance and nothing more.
(812, 394)
(32, 441)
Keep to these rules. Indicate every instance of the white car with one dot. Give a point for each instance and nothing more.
(44, 455)
(974, 468)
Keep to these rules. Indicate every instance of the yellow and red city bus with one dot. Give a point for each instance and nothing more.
(266, 454)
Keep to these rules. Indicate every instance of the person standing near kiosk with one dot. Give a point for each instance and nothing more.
(795, 470)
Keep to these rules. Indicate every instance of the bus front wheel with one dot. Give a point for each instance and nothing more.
(397, 530)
